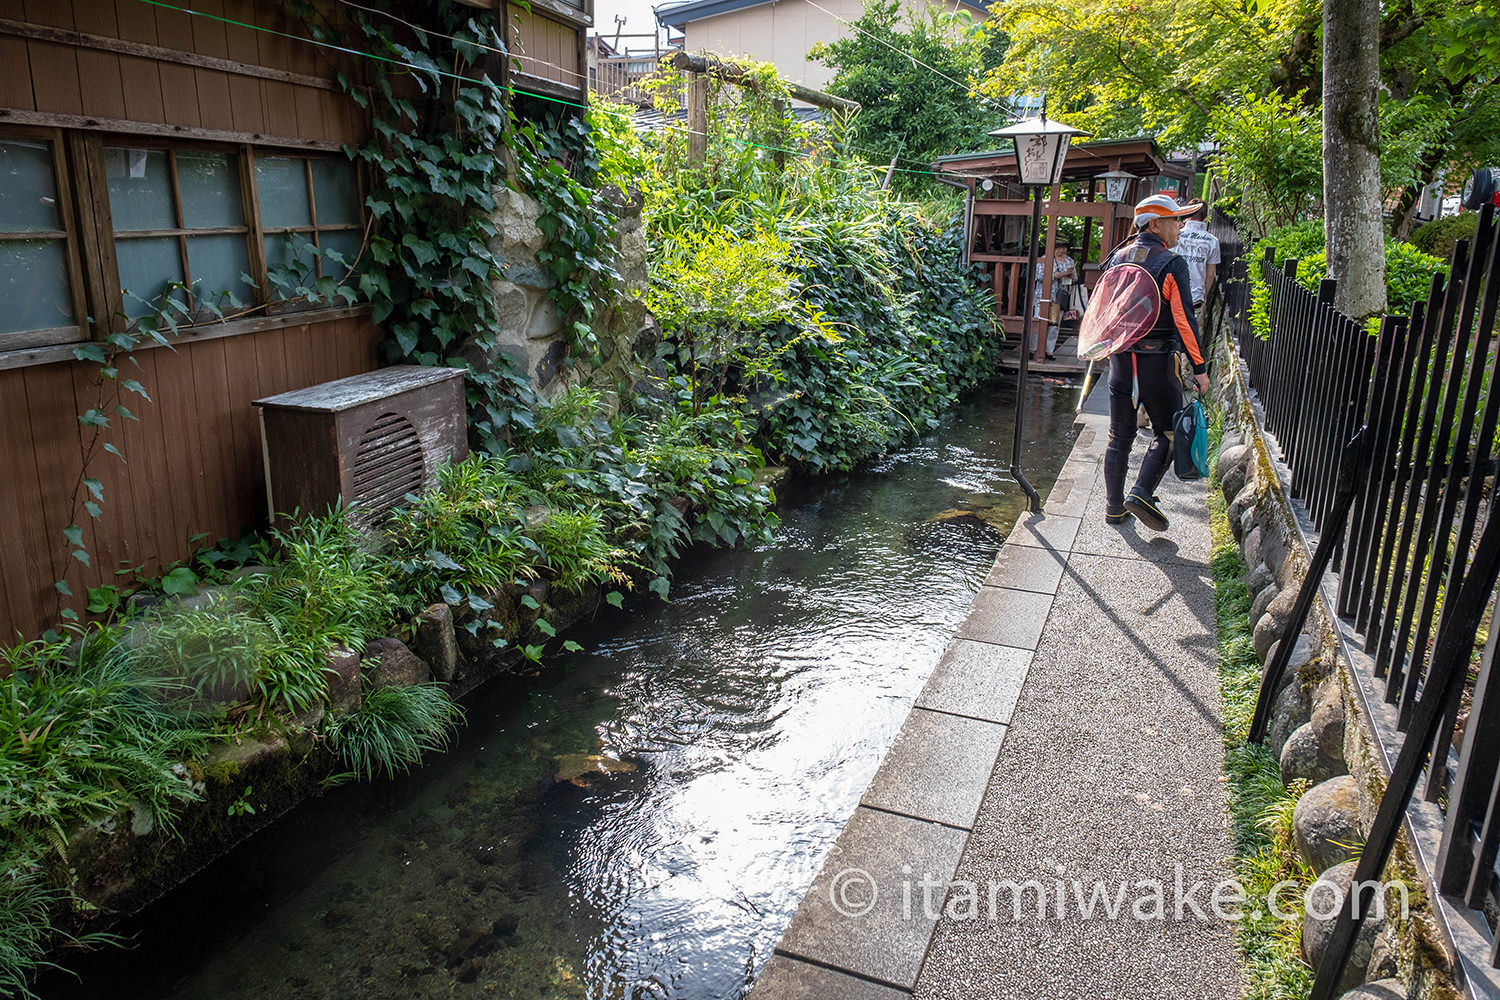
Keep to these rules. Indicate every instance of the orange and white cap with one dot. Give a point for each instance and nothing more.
(1161, 206)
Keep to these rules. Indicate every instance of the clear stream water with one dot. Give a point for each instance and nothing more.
(739, 724)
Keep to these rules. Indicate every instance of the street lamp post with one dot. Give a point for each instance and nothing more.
(1041, 149)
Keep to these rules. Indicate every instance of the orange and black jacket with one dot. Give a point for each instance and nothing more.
(1177, 323)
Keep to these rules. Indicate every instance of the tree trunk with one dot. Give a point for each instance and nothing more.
(1411, 195)
(1351, 155)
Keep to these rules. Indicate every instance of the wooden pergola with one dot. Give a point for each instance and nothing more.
(998, 211)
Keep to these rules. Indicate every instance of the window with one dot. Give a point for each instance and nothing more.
(310, 215)
(219, 231)
(178, 224)
(38, 284)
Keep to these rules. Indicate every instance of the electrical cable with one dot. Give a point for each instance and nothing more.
(435, 71)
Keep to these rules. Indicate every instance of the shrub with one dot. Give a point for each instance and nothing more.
(1438, 236)
(392, 729)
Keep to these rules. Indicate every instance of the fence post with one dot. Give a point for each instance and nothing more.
(697, 95)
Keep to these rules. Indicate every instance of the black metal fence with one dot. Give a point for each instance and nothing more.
(1389, 440)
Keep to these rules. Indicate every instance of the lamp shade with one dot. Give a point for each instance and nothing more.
(1116, 186)
(1041, 148)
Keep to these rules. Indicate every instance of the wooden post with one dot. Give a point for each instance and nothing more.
(697, 95)
(778, 155)
(1044, 301)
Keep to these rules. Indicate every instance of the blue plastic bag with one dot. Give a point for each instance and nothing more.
(1190, 441)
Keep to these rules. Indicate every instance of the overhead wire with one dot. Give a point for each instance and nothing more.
(439, 72)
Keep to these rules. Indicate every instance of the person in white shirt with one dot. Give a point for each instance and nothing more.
(1200, 248)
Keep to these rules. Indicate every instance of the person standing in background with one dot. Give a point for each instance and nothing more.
(1200, 248)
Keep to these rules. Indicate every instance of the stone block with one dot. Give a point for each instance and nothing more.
(389, 663)
(977, 679)
(435, 642)
(937, 769)
(1007, 617)
(344, 693)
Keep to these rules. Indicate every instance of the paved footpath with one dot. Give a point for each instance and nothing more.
(1069, 738)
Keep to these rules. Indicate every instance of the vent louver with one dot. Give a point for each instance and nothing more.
(387, 466)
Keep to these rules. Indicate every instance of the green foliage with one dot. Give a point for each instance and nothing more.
(1408, 271)
(392, 729)
(1260, 807)
(1438, 236)
(83, 735)
(327, 589)
(890, 64)
(1270, 158)
(1159, 67)
(216, 651)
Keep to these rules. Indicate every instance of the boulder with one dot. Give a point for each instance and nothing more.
(1265, 597)
(1386, 989)
(1383, 956)
(1273, 551)
(1233, 470)
(388, 663)
(1325, 823)
(1243, 501)
(343, 681)
(1303, 760)
(1259, 579)
(1325, 899)
(1267, 630)
(1302, 654)
(1291, 710)
(1253, 545)
(435, 642)
(1328, 718)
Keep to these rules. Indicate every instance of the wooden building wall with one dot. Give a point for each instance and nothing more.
(129, 66)
(126, 68)
(192, 462)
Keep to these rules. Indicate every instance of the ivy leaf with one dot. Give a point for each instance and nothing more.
(93, 417)
(74, 534)
(136, 388)
(61, 586)
(114, 451)
(527, 601)
(545, 627)
(181, 582)
(570, 646)
(82, 556)
(95, 488)
(90, 352)
(93, 509)
(450, 596)
(441, 560)
(660, 586)
(615, 599)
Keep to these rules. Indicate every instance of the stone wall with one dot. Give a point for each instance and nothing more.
(1325, 745)
(532, 332)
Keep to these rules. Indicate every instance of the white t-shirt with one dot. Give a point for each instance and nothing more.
(1199, 248)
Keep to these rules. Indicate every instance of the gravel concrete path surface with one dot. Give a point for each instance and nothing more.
(1063, 761)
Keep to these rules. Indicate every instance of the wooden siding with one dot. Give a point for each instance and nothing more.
(122, 65)
(546, 49)
(193, 460)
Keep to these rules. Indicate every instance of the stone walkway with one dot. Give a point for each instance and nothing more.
(1068, 744)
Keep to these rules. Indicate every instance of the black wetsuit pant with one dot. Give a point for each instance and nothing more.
(1161, 394)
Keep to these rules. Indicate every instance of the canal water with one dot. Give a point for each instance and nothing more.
(640, 820)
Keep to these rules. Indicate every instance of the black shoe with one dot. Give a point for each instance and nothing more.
(1116, 516)
(1052, 357)
(1146, 511)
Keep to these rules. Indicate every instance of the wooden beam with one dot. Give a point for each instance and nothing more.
(1072, 209)
(120, 46)
(91, 124)
(697, 98)
(690, 63)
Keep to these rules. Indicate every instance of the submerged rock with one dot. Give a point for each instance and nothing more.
(581, 768)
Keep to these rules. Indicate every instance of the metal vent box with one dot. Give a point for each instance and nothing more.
(368, 440)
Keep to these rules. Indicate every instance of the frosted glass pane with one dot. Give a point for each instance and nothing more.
(346, 245)
(28, 196)
(289, 263)
(33, 286)
(335, 192)
(210, 187)
(146, 265)
(140, 189)
(282, 188)
(216, 264)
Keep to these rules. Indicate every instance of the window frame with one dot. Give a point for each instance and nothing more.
(80, 175)
(21, 340)
(181, 233)
(276, 306)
